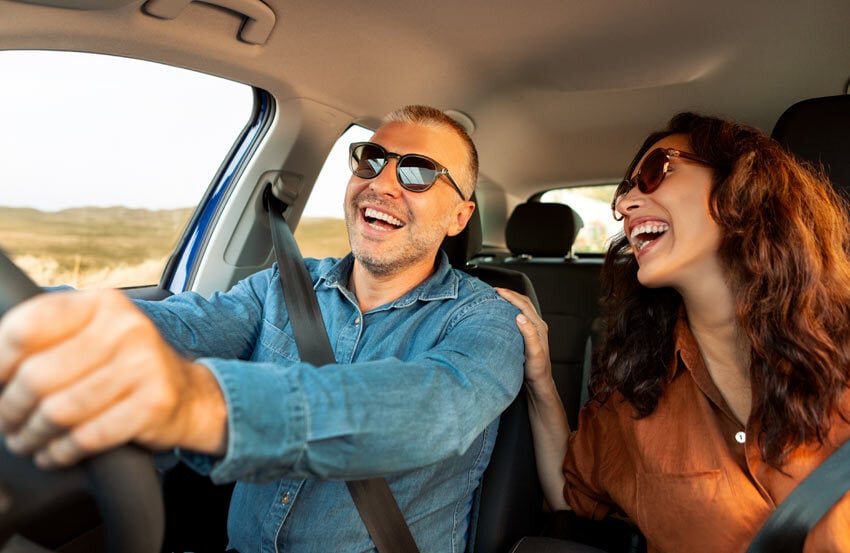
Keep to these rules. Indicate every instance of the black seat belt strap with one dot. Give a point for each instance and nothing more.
(382, 516)
(308, 326)
(372, 497)
(789, 525)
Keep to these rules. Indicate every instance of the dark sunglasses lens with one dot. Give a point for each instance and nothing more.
(652, 171)
(417, 173)
(367, 160)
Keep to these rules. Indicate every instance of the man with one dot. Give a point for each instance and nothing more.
(427, 358)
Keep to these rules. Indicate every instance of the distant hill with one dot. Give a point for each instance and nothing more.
(96, 235)
(119, 246)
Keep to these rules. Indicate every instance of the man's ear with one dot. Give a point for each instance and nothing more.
(463, 212)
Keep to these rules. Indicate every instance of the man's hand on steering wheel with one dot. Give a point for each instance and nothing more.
(122, 482)
(84, 372)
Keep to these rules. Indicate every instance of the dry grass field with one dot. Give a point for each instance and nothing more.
(116, 247)
(322, 237)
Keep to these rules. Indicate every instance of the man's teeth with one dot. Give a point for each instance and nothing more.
(375, 214)
(646, 228)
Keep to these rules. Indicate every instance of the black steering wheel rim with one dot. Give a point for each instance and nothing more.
(123, 482)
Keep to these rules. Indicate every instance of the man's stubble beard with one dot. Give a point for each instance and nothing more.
(414, 250)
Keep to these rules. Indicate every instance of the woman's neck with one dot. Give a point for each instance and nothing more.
(722, 343)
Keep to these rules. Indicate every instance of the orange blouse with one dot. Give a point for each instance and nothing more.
(690, 475)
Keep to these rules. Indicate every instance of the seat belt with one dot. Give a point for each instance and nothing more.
(372, 497)
(789, 525)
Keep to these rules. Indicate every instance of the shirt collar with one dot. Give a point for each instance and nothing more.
(441, 285)
(687, 348)
(689, 358)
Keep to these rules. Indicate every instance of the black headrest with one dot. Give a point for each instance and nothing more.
(464, 245)
(818, 130)
(542, 229)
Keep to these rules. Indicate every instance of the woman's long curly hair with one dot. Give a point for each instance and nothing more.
(784, 243)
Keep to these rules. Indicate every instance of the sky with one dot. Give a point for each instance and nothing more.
(64, 142)
(329, 191)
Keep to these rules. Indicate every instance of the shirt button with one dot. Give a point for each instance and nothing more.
(741, 437)
(286, 499)
(357, 321)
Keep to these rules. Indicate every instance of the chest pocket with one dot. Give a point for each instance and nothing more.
(275, 345)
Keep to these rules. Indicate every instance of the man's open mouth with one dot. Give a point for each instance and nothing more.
(380, 220)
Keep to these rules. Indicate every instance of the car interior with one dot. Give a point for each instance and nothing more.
(557, 96)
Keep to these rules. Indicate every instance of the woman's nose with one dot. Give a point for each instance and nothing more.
(632, 199)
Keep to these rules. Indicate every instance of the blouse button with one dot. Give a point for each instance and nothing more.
(741, 437)
(285, 499)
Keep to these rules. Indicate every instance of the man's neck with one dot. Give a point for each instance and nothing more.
(373, 290)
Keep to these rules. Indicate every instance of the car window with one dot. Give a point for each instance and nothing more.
(321, 231)
(104, 160)
(593, 204)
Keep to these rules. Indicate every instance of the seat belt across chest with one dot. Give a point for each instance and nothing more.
(787, 528)
(373, 498)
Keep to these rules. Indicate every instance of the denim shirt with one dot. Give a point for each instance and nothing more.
(415, 397)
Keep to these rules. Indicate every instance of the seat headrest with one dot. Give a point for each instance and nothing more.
(818, 130)
(542, 229)
(463, 246)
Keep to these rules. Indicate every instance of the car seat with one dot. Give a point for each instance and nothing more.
(540, 237)
(509, 501)
(818, 131)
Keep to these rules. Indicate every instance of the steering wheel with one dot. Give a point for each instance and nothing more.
(122, 482)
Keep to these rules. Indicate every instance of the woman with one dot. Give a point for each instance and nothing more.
(722, 377)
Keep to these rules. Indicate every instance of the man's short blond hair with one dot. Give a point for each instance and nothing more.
(429, 116)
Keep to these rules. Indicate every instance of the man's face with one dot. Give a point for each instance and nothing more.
(392, 229)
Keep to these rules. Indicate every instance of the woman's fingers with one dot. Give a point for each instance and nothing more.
(521, 301)
(535, 333)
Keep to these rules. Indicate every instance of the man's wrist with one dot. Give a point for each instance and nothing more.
(206, 427)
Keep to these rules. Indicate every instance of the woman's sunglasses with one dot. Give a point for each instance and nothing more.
(652, 172)
(414, 172)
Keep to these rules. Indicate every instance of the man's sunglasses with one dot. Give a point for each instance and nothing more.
(651, 174)
(414, 172)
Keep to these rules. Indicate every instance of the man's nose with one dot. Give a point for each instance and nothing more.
(387, 181)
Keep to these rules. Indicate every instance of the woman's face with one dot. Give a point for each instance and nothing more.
(671, 232)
